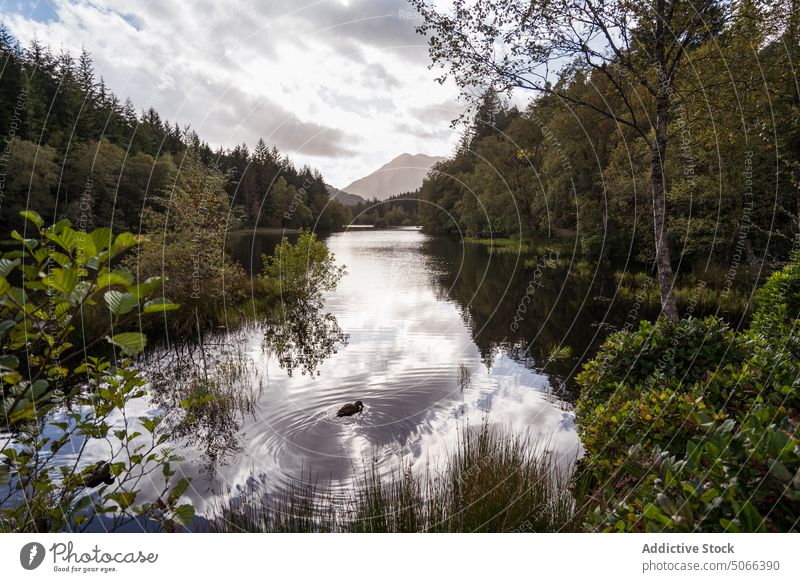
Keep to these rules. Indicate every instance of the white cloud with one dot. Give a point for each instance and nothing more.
(338, 85)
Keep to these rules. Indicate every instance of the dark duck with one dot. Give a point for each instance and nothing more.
(351, 409)
(97, 474)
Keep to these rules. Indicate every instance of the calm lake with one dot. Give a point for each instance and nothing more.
(431, 334)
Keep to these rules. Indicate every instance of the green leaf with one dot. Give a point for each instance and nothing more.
(80, 293)
(60, 258)
(123, 242)
(143, 290)
(5, 325)
(6, 266)
(33, 217)
(653, 512)
(30, 243)
(9, 362)
(120, 302)
(179, 490)
(117, 277)
(131, 343)
(101, 238)
(160, 305)
(39, 388)
(4, 474)
(65, 236)
(150, 424)
(63, 280)
(185, 513)
(123, 498)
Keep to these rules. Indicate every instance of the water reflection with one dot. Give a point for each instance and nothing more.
(399, 335)
(412, 318)
(525, 306)
(206, 390)
(302, 336)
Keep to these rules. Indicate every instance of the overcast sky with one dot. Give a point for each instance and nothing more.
(342, 85)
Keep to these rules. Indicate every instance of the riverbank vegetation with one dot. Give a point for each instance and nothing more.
(67, 385)
(494, 481)
(692, 426)
(60, 391)
(618, 142)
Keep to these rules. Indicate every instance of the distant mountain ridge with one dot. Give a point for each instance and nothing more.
(405, 173)
(344, 197)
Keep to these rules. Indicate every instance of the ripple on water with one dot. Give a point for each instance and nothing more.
(402, 360)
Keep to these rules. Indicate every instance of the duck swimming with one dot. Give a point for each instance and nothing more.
(351, 409)
(98, 473)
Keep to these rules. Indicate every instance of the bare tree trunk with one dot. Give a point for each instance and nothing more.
(666, 278)
(658, 158)
(752, 260)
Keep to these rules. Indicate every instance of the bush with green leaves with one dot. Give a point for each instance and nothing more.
(300, 273)
(186, 228)
(63, 401)
(777, 318)
(690, 426)
(734, 477)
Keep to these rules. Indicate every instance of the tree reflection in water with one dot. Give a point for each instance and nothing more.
(207, 389)
(302, 337)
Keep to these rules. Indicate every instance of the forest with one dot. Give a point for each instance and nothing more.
(595, 326)
(75, 150)
(568, 165)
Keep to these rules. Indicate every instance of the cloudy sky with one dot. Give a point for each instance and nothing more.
(342, 85)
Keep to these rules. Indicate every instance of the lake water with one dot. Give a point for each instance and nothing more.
(431, 334)
(428, 333)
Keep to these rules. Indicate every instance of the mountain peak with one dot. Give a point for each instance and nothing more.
(404, 173)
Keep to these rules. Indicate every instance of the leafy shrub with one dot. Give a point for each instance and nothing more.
(690, 426)
(185, 245)
(684, 351)
(778, 307)
(300, 273)
(735, 478)
(57, 399)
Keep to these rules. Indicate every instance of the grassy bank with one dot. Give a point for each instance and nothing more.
(708, 291)
(493, 482)
(551, 247)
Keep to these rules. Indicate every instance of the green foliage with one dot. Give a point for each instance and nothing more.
(186, 240)
(300, 273)
(690, 426)
(57, 397)
(778, 313)
(732, 477)
(47, 282)
(569, 161)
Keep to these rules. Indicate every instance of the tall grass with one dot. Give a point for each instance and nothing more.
(464, 376)
(501, 245)
(708, 291)
(493, 482)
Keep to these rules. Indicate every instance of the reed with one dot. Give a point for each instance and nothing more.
(494, 481)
